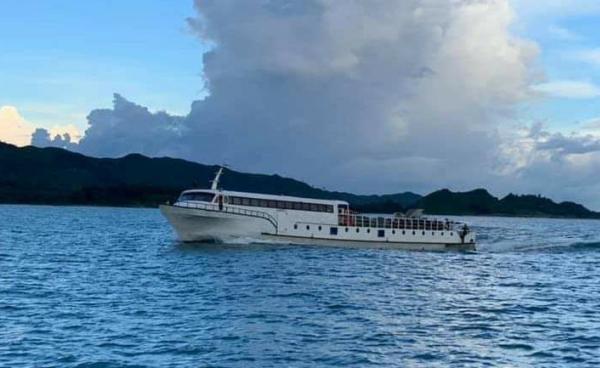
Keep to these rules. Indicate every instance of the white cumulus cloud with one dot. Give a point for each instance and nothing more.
(591, 56)
(14, 129)
(327, 90)
(569, 89)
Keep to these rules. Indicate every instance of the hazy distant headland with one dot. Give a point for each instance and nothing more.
(32, 175)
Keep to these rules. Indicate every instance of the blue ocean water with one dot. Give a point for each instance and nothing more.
(108, 287)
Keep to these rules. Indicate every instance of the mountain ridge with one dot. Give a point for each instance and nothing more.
(64, 177)
(33, 175)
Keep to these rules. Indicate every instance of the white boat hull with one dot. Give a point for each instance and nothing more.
(198, 225)
(208, 225)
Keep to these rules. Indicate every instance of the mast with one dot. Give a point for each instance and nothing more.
(215, 181)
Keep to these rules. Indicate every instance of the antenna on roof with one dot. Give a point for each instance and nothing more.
(215, 181)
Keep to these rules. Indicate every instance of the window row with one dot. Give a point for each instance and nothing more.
(393, 223)
(380, 232)
(284, 205)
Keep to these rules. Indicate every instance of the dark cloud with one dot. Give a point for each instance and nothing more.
(564, 167)
(41, 138)
(128, 127)
(565, 145)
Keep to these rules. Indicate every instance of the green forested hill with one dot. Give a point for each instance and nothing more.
(480, 202)
(56, 176)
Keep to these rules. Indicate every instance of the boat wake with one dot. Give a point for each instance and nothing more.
(501, 235)
(539, 245)
(508, 246)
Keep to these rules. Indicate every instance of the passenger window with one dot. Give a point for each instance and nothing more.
(333, 231)
(380, 233)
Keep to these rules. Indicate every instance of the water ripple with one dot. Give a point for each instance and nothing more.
(103, 287)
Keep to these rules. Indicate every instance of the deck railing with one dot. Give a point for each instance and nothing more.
(388, 222)
(228, 209)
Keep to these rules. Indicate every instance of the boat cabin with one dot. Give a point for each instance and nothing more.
(263, 201)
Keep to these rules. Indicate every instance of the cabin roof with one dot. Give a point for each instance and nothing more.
(267, 196)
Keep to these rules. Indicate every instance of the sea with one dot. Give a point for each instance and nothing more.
(112, 287)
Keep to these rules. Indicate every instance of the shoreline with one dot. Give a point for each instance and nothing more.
(123, 206)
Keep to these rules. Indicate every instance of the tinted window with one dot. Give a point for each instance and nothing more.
(204, 197)
(333, 231)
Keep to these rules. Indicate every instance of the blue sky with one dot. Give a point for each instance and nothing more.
(566, 33)
(61, 59)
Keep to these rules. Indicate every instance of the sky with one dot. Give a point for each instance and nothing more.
(366, 96)
(61, 59)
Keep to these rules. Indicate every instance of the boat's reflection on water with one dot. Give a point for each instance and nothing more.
(258, 246)
(217, 246)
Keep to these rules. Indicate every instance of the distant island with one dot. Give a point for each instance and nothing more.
(32, 175)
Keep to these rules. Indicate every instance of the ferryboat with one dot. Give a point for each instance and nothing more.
(217, 215)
